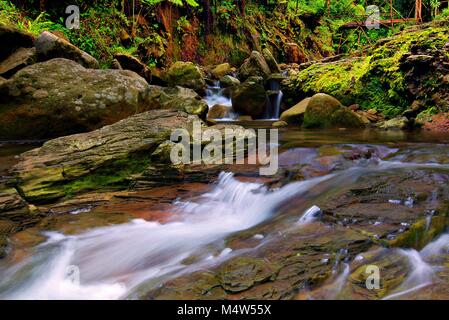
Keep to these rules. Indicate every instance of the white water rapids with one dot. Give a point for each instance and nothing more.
(113, 260)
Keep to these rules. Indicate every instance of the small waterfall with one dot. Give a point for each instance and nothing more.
(215, 94)
(274, 99)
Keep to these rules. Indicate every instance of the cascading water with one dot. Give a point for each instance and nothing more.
(216, 95)
(274, 99)
(114, 260)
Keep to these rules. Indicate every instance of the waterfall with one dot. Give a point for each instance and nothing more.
(215, 94)
(274, 99)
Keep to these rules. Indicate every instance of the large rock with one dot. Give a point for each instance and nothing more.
(229, 81)
(221, 70)
(185, 74)
(128, 62)
(58, 167)
(255, 65)
(295, 115)
(49, 46)
(271, 61)
(12, 39)
(250, 98)
(399, 123)
(218, 111)
(60, 97)
(176, 98)
(324, 111)
(19, 59)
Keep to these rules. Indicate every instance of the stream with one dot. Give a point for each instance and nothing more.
(120, 261)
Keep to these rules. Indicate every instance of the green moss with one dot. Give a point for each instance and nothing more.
(114, 176)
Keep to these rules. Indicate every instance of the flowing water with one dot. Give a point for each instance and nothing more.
(112, 262)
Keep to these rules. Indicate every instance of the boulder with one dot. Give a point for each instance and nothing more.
(49, 46)
(12, 39)
(128, 62)
(295, 115)
(271, 61)
(255, 65)
(176, 98)
(58, 167)
(279, 124)
(294, 54)
(61, 97)
(324, 111)
(2, 80)
(399, 123)
(221, 70)
(19, 59)
(229, 81)
(185, 74)
(250, 98)
(218, 111)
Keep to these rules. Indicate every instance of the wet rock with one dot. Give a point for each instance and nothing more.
(19, 59)
(400, 123)
(60, 97)
(185, 74)
(250, 98)
(218, 112)
(324, 111)
(255, 65)
(176, 98)
(128, 62)
(228, 81)
(295, 115)
(2, 80)
(49, 46)
(271, 61)
(279, 124)
(44, 174)
(222, 70)
(12, 39)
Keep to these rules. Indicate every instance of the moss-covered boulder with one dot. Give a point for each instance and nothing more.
(271, 61)
(398, 123)
(324, 111)
(49, 46)
(176, 98)
(397, 71)
(222, 70)
(229, 81)
(250, 98)
(295, 115)
(255, 65)
(185, 74)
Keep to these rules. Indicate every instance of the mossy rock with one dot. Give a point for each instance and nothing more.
(295, 115)
(185, 74)
(324, 111)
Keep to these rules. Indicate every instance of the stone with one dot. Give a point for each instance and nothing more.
(295, 115)
(324, 111)
(49, 46)
(271, 61)
(399, 123)
(60, 97)
(185, 74)
(221, 70)
(279, 124)
(43, 174)
(250, 98)
(229, 81)
(19, 59)
(218, 112)
(128, 62)
(255, 65)
(12, 39)
(176, 98)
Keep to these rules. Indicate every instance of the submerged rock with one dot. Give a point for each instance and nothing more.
(324, 111)
(250, 98)
(49, 46)
(60, 97)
